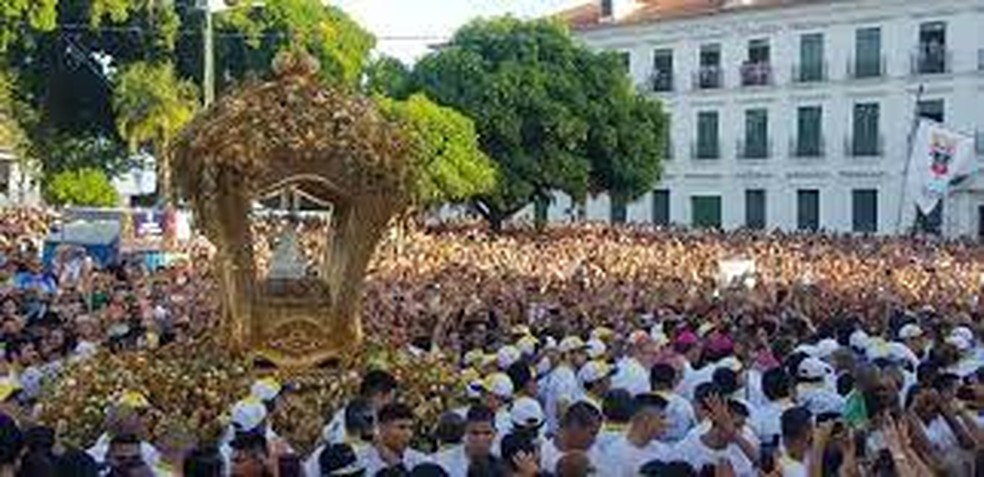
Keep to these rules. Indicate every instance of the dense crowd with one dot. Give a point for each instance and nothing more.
(586, 349)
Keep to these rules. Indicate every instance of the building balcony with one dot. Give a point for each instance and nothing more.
(931, 59)
(756, 74)
(662, 81)
(862, 68)
(805, 149)
(705, 151)
(810, 73)
(864, 147)
(708, 77)
(753, 149)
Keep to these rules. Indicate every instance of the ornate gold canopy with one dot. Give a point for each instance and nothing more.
(327, 143)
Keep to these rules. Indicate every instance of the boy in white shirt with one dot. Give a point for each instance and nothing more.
(679, 412)
(392, 447)
(562, 387)
(766, 419)
(480, 434)
(723, 440)
(577, 432)
(639, 445)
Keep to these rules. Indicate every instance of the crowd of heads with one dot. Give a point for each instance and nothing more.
(586, 349)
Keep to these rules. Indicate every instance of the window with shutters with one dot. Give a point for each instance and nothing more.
(867, 137)
(756, 134)
(811, 66)
(809, 121)
(708, 146)
(661, 207)
(867, 53)
(706, 211)
(931, 109)
(808, 209)
(755, 209)
(864, 216)
(663, 70)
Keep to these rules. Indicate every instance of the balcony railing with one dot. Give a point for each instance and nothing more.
(756, 74)
(708, 77)
(705, 151)
(931, 59)
(754, 149)
(810, 73)
(807, 149)
(662, 81)
(859, 147)
(858, 68)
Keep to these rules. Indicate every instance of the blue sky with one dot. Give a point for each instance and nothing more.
(407, 27)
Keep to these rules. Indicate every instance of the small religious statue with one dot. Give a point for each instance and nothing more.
(287, 265)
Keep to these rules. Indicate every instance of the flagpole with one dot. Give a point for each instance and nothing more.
(908, 160)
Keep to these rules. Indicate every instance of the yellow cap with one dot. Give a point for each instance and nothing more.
(133, 399)
(9, 385)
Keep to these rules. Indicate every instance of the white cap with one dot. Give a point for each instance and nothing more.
(475, 357)
(657, 335)
(594, 371)
(910, 331)
(958, 342)
(498, 384)
(248, 414)
(596, 348)
(571, 343)
(827, 347)
(266, 389)
(475, 389)
(812, 368)
(902, 353)
(549, 343)
(507, 355)
(731, 363)
(858, 339)
(526, 412)
(963, 332)
(877, 348)
(527, 345)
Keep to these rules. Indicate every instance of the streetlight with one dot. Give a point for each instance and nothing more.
(208, 46)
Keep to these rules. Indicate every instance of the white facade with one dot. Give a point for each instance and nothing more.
(838, 173)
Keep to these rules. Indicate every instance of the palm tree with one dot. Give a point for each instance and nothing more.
(152, 105)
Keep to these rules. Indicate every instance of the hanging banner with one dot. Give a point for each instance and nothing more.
(938, 156)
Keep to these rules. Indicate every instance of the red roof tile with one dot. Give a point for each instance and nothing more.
(588, 16)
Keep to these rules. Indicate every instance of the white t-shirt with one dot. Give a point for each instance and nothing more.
(680, 417)
(454, 461)
(550, 455)
(623, 459)
(631, 376)
(791, 467)
(608, 435)
(562, 386)
(939, 433)
(693, 451)
(691, 378)
(766, 420)
(98, 451)
(374, 463)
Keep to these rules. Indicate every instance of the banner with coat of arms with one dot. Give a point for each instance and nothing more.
(939, 156)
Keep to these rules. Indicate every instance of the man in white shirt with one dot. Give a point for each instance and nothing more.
(766, 419)
(722, 441)
(577, 432)
(562, 387)
(633, 371)
(480, 433)
(378, 387)
(813, 390)
(617, 409)
(595, 380)
(358, 432)
(639, 445)
(392, 446)
(680, 416)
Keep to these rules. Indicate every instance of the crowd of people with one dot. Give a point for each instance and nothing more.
(584, 349)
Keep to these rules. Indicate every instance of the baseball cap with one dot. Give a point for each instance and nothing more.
(571, 343)
(812, 368)
(520, 330)
(958, 342)
(963, 332)
(526, 412)
(596, 348)
(132, 399)
(474, 357)
(594, 371)
(266, 389)
(527, 345)
(507, 355)
(686, 338)
(858, 339)
(248, 414)
(910, 331)
(638, 337)
(498, 384)
(602, 333)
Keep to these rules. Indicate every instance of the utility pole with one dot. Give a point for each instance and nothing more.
(208, 56)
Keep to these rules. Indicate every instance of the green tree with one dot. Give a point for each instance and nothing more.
(18, 16)
(152, 105)
(389, 77)
(537, 98)
(85, 187)
(449, 165)
(253, 32)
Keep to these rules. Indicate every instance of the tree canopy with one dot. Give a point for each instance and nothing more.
(84, 187)
(152, 105)
(449, 166)
(553, 114)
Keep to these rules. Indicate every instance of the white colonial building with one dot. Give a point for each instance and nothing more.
(795, 114)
